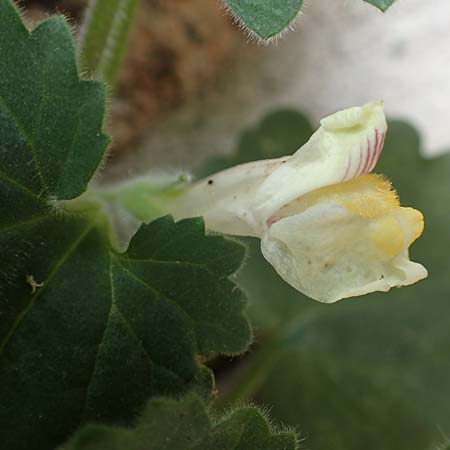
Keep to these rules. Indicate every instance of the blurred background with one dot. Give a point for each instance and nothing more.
(192, 80)
(370, 373)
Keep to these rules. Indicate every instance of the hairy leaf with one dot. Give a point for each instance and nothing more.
(86, 332)
(264, 18)
(108, 330)
(184, 424)
(50, 121)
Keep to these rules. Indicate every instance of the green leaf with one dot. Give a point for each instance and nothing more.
(264, 19)
(103, 309)
(50, 121)
(169, 425)
(381, 4)
(108, 330)
(86, 332)
(374, 372)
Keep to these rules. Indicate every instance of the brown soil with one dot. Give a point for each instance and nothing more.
(176, 50)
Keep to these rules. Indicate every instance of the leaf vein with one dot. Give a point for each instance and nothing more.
(139, 341)
(155, 290)
(216, 325)
(21, 129)
(31, 221)
(102, 339)
(15, 183)
(39, 293)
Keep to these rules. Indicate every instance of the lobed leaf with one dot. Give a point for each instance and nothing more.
(108, 330)
(86, 332)
(50, 120)
(169, 424)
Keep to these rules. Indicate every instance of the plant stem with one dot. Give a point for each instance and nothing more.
(104, 37)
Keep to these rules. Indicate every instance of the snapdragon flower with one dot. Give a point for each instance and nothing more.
(329, 227)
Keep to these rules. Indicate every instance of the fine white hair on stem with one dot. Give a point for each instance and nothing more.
(253, 36)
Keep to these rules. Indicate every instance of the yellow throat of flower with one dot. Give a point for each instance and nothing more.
(391, 228)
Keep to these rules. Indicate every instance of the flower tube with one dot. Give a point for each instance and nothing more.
(329, 228)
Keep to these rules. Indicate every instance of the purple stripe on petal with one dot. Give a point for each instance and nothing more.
(349, 163)
(376, 149)
(369, 157)
(356, 174)
(379, 150)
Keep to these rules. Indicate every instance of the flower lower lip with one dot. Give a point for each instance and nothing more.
(325, 235)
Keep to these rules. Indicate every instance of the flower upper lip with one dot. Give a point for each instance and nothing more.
(347, 145)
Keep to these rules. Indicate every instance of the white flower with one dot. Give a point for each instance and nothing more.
(327, 226)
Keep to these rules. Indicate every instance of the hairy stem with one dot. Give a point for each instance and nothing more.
(104, 37)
